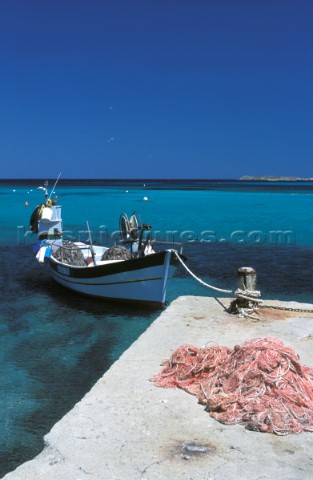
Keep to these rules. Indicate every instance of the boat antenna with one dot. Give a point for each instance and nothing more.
(54, 186)
(91, 247)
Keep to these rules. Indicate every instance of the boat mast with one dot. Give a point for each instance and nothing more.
(54, 187)
(91, 247)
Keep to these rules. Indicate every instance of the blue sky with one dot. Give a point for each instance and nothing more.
(156, 88)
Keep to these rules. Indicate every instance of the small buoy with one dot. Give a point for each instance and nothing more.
(26, 204)
(145, 199)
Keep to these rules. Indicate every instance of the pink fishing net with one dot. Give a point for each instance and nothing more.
(260, 384)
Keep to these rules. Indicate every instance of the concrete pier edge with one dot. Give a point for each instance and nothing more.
(127, 428)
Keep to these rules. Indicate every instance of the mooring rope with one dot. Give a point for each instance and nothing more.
(242, 294)
(199, 279)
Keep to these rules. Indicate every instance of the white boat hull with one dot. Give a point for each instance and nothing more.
(101, 271)
(137, 280)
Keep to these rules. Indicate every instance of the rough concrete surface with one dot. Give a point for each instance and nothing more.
(127, 428)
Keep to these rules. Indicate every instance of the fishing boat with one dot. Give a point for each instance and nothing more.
(130, 270)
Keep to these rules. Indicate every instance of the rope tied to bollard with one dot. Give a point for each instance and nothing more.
(244, 298)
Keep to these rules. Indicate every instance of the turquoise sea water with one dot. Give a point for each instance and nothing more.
(55, 345)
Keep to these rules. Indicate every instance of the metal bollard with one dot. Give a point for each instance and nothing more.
(247, 278)
(246, 296)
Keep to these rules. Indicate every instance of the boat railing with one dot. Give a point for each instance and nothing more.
(130, 244)
(178, 245)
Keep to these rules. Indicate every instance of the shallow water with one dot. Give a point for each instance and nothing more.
(55, 345)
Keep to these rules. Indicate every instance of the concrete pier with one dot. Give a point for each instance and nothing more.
(127, 428)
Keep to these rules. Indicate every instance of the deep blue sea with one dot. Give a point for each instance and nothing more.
(56, 345)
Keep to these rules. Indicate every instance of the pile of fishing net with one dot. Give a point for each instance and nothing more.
(116, 253)
(70, 254)
(260, 383)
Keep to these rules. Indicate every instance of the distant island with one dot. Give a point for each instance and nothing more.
(275, 179)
